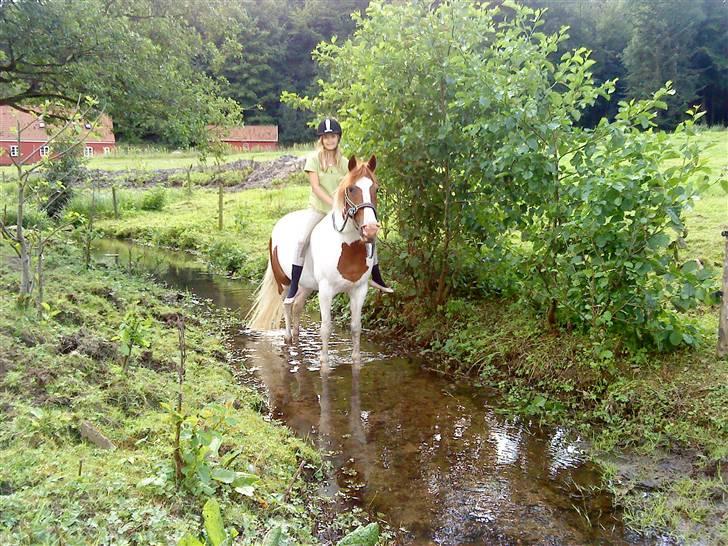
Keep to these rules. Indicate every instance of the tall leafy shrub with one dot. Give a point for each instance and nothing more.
(476, 124)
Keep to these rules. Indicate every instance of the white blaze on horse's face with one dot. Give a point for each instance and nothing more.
(368, 220)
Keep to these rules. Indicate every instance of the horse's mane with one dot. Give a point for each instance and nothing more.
(360, 171)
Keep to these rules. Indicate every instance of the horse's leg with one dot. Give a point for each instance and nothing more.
(298, 305)
(287, 336)
(325, 298)
(356, 302)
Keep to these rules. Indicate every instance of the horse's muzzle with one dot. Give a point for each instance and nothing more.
(369, 232)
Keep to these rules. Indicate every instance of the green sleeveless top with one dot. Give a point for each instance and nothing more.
(328, 179)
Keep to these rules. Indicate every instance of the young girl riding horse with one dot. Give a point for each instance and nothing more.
(325, 168)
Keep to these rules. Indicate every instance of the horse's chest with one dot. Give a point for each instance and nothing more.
(352, 264)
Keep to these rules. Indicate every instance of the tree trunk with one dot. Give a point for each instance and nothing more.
(219, 207)
(26, 278)
(180, 382)
(90, 229)
(39, 278)
(115, 202)
(723, 324)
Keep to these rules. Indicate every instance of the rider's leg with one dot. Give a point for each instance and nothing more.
(297, 268)
(293, 288)
(376, 280)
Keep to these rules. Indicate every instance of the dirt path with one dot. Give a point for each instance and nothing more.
(253, 174)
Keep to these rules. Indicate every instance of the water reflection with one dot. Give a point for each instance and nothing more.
(433, 456)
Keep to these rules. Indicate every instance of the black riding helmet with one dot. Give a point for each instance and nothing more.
(329, 125)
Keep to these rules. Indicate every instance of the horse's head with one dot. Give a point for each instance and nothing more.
(356, 198)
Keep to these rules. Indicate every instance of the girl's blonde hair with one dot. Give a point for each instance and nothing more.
(323, 154)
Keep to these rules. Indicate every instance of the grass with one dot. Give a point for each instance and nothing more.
(190, 223)
(65, 367)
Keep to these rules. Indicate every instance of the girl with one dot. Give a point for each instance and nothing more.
(325, 168)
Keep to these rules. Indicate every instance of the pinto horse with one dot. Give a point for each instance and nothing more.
(339, 259)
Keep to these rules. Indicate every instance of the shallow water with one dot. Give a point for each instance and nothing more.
(436, 458)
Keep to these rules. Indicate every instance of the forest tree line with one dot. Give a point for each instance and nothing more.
(166, 69)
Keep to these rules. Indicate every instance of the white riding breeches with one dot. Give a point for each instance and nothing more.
(309, 222)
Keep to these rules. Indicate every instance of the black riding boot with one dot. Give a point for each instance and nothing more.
(293, 288)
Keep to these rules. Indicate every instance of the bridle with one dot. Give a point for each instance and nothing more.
(351, 209)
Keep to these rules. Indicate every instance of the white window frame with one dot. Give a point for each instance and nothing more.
(107, 150)
(88, 151)
(45, 150)
(14, 150)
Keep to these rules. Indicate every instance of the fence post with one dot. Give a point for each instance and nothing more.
(189, 180)
(723, 324)
(115, 202)
(219, 207)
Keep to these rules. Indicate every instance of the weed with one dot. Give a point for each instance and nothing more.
(153, 200)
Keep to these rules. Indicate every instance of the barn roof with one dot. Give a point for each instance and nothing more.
(35, 131)
(249, 133)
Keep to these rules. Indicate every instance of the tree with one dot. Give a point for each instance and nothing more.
(603, 27)
(661, 49)
(477, 122)
(274, 41)
(138, 57)
(30, 241)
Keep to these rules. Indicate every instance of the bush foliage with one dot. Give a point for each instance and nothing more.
(482, 154)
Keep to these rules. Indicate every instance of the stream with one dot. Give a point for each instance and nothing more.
(435, 457)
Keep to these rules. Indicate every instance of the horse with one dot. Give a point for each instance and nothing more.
(339, 259)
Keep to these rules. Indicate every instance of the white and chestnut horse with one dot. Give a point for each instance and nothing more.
(339, 259)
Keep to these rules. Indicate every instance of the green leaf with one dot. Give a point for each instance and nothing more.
(246, 490)
(676, 338)
(213, 522)
(273, 537)
(223, 475)
(244, 478)
(189, 540)
(363, 536)
(724, 184)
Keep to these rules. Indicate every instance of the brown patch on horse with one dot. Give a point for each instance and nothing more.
(353, 261)
(281, 278)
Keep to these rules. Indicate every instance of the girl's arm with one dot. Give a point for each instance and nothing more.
(316, 188)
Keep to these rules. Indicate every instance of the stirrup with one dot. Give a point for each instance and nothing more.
(381, 288)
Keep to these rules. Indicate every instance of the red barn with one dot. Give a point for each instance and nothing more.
(250, 137)
(33, 145)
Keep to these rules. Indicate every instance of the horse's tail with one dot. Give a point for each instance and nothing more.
(267, 310)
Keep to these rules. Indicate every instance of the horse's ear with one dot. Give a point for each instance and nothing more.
(352, 163)
(372, 163)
